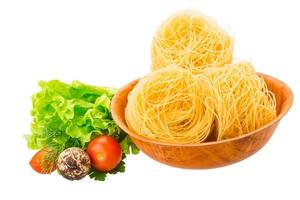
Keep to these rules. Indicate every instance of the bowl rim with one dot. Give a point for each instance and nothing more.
(131, 133)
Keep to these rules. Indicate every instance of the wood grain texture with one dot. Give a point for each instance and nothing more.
(209, 154)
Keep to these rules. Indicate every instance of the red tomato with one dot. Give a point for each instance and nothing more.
(105, 153)
(36, 163)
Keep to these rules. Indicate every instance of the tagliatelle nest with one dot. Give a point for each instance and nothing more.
(191, 40)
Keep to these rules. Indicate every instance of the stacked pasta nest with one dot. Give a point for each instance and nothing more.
(194, 92)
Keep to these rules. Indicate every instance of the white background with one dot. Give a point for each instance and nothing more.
(108, 43)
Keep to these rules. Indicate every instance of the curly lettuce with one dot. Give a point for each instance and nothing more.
(66, 115)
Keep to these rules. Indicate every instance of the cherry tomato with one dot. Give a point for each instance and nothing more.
(37, 164)
(105, 153)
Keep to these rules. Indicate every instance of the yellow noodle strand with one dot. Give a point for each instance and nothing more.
(243, 101)
(191, 40)
(171, 105)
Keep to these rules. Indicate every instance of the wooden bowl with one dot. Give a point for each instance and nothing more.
(208, 154)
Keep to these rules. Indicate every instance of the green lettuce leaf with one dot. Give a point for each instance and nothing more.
(71, 115)
(78, 112)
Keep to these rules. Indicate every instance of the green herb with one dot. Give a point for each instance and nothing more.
(128, 146)
(71, 115)
(49, 160)
(97, 175)
(100, 176)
